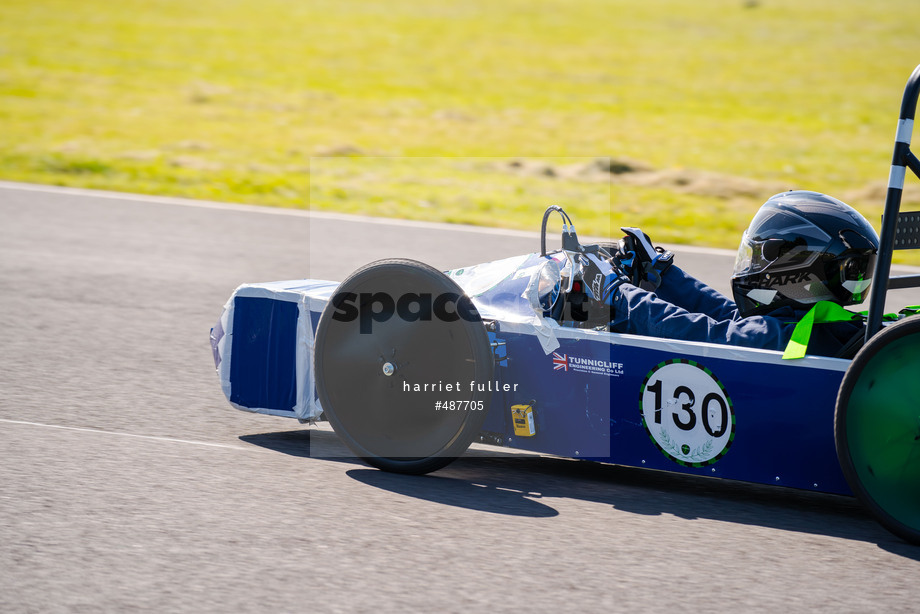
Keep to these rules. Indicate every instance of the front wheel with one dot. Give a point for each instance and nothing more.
(398, 382)
(877, 428)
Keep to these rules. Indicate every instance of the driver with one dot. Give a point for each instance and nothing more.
(804, 254)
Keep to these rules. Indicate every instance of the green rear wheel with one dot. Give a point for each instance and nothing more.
(877, 428)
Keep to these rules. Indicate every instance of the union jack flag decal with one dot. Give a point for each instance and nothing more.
(560, 361)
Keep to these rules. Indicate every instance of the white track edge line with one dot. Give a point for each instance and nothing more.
(100, 431)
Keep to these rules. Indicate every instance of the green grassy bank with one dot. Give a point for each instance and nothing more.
(477, 111)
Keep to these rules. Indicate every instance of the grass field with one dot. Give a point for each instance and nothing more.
(476, 111)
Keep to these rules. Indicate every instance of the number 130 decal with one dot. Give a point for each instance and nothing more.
(687, 413)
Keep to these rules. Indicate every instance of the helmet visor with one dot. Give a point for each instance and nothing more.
(754, 256)
(779, 235)
(743, 260)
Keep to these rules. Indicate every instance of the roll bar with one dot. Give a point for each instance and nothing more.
(899, 230)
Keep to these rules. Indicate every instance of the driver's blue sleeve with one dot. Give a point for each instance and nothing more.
(681, 289)
(641, 312)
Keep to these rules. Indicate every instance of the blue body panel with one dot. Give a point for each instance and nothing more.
(263, 371)
(784, 413)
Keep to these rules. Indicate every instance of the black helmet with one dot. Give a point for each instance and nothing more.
(801, 248)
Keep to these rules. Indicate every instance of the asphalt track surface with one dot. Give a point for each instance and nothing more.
(127, 483)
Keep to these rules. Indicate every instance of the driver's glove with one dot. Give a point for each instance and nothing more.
(642, 263)
(602, 278)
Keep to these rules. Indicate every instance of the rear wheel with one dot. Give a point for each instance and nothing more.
(877, 427)
(397, 388)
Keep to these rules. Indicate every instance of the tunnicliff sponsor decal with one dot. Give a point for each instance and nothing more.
(580, 364)
(687, 412)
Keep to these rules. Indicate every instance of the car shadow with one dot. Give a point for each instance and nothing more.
(523, 484)
(305, 443)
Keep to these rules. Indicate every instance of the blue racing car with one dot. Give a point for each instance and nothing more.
(410, 365)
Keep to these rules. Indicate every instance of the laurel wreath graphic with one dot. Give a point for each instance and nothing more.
(701, 453)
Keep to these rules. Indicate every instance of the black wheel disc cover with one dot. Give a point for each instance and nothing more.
(383, 418)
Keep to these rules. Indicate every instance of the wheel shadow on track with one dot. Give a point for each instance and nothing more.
(325, 445)
(523, 484)
(305, 443)
(457, 492)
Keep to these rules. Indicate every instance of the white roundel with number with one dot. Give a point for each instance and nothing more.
(687, 412)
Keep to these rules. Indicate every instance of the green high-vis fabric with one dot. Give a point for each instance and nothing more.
(823, 312)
